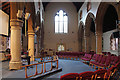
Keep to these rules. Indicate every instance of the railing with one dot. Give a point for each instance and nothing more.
(36, 72)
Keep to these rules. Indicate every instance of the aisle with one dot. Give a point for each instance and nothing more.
(70, 66)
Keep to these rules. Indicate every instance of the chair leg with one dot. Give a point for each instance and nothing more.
(92, 77)
(98, 67)
(94, 66)
(95, 77)
(80, 78)
(89, 64)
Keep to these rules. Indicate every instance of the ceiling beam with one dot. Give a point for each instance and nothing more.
(4, 4)
(7, 7)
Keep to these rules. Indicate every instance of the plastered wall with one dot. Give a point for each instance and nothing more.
(106, 42)
(71, 38)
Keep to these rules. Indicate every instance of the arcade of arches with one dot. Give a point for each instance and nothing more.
(88, 31)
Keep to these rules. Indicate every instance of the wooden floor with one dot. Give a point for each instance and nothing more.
(68, 66)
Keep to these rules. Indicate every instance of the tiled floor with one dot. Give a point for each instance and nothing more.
(68, 66)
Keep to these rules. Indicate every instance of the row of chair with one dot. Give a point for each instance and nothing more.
(87, 57)
(101, 74)
(103, 61)
(73, 55)
(70, 54)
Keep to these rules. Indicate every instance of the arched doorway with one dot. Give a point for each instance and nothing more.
(90, 33)
(105, 21)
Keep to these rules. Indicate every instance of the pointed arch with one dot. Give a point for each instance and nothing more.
(61, 22)
(90, 30)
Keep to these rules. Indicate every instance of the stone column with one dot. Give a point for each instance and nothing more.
(87, 43)
(80, 44)
(119, 39)
(38, 47)
(15, 62)
(31, 44)
(99, 42)
(84, 39)
(119, 29)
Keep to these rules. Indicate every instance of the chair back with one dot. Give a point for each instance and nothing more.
(99, 74)
(109, 72)
(94, 57)
(103, 59)
(88, 75)
(108, 59)
(114, 60)
(70, 76)
(99, 58)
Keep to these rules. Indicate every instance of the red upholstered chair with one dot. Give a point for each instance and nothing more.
(70, 76)
(109, 73)
(87, 57)
(88, 75)
(108, 53)
(103, 60)
(117, 65)
(107, 62)
(94, 57)
(114, 60)
(98, 60)
(119, 57)
(104, 53)
(99, 74)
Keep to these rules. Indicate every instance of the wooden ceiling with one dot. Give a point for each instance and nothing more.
(5, 6)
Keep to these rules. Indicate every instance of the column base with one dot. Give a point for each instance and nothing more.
(2, 57)
(32, 59)
(15, 65)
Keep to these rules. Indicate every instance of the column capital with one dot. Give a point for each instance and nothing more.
(98, 34)
(31, 32)
(16, 22)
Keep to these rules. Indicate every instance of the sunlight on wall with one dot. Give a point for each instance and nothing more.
(4, 21)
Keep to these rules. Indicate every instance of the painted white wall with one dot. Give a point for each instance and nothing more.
(50, 38)
(4, 23)
(106, 42)
(94, 8)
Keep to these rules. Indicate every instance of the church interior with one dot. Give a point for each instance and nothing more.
(60, 40)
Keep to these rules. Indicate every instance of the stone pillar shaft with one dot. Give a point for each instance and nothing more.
(38, 47)
(31, 45)
(15, 62)
(99, 43)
